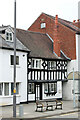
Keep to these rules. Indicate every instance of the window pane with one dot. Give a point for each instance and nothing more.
(12, 60)
(6, 89)
(37, 64)
(12, 87)
(43, 25)
(1, 88)
(52, 87)
(49, 65)
(32, 63)
(55, 87)
(17, 88)
(17, 60)
(9, 36)
(31, 88)
(46, 88)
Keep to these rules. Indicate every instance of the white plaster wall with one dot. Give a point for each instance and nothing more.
(68, 86)
(57, 95)
(67, 90)
(6, 75)
(31, 97)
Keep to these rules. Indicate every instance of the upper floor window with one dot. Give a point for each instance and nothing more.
(12, 60)
(52, 65)
(43, 25)
(9, 36)
(36, 63)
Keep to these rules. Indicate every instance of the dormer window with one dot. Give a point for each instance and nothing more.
(9, 36)
(43, 25)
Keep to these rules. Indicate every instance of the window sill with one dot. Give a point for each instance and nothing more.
(31, 93)
(11, 41)
(50, 93)
(17, 66)
(11, 96)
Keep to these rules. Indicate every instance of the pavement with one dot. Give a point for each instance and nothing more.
(29, 111)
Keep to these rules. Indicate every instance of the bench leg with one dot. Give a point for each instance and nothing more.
(41, 109)
(36, 109)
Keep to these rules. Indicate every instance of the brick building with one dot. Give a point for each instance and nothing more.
(65, 37)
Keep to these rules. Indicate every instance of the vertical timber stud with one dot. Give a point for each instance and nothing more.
(14, 91)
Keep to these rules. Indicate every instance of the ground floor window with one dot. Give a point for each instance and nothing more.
(1, 88)
(50, 87)
(31, 88)
(6, 89)
(17, 88)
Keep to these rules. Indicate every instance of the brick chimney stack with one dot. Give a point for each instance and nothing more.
(56, 43)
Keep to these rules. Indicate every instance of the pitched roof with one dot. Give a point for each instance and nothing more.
(66, 31)
(39, 44)
(73, 26)
(10, 45)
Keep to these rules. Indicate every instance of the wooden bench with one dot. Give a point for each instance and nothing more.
(39, 105)
(58, 104)
(48, 104)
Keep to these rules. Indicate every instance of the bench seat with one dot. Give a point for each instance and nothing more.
(48, 105)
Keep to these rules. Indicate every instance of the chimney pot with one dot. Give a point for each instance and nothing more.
(74, 21)
(78, 20)
(56, 19)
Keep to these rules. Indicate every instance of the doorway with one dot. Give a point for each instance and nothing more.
(38, 92)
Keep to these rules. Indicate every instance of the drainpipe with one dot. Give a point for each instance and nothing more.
(74, 105)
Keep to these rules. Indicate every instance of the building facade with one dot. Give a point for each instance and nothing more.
(66, 40)
(7, 68)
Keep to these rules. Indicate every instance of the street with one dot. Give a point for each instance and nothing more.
(72, 116)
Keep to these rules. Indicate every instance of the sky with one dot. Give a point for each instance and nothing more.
(29, 10)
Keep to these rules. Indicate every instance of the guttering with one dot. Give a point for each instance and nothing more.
(65, 55)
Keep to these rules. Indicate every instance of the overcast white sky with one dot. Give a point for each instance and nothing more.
(29, 10)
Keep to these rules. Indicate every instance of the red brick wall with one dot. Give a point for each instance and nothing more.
(66, 40)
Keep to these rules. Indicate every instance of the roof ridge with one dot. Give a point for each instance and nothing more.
(36, 32)
(31, 31)
(58, 17)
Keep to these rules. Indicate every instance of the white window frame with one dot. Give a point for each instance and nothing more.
(52, 65)
(16, 88)
(37, 63)
(48, 87)
(9, 89)
(16, 60)
(32, 88)
(6, 90)
(1, 84)
(43, 25)
(9, 36)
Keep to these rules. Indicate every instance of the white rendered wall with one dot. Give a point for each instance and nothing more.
(6, 75)
(31, 97)
(68, 86)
